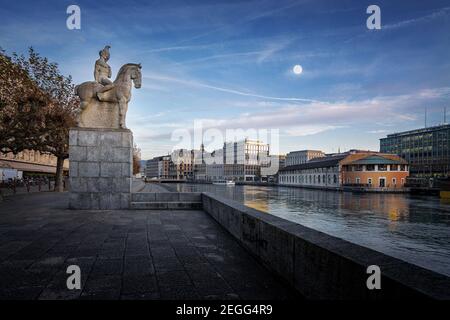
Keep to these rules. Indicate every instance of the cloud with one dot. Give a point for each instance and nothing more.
(377, 131)
(177, 48)
(316, 117)
(437, 14)
(308, 130)
(246, 19)
(226, 90)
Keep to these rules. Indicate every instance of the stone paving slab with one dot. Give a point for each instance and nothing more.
(154, 187)
(123, 254)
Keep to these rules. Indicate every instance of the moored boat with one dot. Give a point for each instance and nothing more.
(224, 182)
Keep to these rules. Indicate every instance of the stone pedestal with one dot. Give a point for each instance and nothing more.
(100, 168)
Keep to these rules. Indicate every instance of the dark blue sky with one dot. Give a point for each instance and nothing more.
(229, 64)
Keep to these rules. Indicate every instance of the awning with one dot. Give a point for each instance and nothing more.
(28, 167)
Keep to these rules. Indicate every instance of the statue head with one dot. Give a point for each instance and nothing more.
(104, 53)
(137, 76)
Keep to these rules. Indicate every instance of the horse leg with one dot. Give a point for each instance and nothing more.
(123, 106)
(83, 105)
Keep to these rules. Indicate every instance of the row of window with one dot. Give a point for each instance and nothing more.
(309, 179)
(382, 182)
(376, 167)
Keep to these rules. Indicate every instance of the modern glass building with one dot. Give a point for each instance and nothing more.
(427, 150)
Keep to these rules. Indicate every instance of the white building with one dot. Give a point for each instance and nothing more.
(158, 167)
(269, 173)
(320, 172)
(243, 159)
(214, 172)
(302, 156)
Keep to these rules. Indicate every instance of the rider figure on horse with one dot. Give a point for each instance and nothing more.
(102, 71)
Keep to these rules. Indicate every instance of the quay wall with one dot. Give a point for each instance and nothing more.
(318, 265)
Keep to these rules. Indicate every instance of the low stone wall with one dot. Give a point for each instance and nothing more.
(318, 265)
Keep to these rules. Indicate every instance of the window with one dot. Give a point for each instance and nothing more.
(382, 167)
(394, 182)
(394, 167)
(370, 167)
(369, 181)
(358, 180)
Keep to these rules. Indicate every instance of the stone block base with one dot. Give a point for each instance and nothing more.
(100, 114)
(100, 168)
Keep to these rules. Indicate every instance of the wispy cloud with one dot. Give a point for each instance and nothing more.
(437, 14)
(226, 90)
(317, 117)
(177, 48)
(307, 130)
(247, 19)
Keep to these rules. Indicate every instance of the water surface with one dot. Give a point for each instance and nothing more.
(413, 228)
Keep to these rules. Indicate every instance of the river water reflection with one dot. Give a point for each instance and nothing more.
(414, 229)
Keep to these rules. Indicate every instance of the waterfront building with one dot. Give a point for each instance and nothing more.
(269, 173)
(302, 156)
(243, 159)
(214, 172)
(158, 167)
(182, 164)
(427, 150)
(357, 169)
(28, 162)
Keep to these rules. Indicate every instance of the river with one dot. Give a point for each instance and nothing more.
(412, 228)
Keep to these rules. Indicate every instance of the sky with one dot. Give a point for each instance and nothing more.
(228, 65)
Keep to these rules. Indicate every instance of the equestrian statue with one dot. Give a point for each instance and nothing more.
(104, 103)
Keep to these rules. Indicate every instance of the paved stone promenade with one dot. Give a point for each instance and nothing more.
(123, 254)
(154, 188)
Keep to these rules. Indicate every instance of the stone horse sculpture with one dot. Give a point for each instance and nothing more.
(102, 108)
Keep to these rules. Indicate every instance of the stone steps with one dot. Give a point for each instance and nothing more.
(166, 205)
(166, 200)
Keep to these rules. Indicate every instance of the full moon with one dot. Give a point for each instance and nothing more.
(297, 69)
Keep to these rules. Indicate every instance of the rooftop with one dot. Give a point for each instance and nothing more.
(417, 131)
(356, 157)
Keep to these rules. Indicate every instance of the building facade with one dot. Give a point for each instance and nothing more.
(427, 150)
(302, 156)
(269, 173)
(356, 169)
(28, 162)
(158, 168)
(243, 159)
(182, 164)
(238, 161)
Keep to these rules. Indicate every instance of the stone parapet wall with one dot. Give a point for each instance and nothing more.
(100, 168)
(318, 265)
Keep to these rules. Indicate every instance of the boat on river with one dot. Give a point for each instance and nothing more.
(224, 182)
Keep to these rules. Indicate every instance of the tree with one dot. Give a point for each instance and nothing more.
(35, 85)
(20, 103)
(136, 160)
